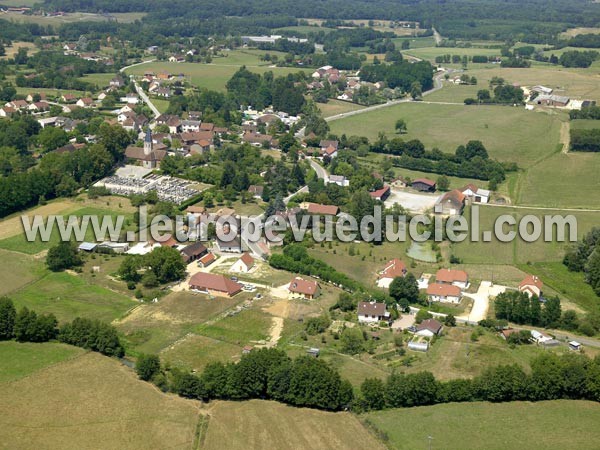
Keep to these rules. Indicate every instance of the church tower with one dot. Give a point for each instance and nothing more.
(148, 142)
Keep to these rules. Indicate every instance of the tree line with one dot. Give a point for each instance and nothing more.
(304, 381)
(57, 174)
(582, 140)
(26, 325)
(552, 377)
(295, 259)
(309, 382)
(585, 257)
(468, 161)
(590, 112)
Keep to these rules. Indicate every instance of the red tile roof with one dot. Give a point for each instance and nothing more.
(380, 192)
(248, 260)
(443, 290)
(302, 286)
(531, 280)
(394, 268)
(451, 276)
(316, 208)
(426, 181)
(214, 282)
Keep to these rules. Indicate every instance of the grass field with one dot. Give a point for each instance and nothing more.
(69, 296)
(214, 76)
(430, 53)
(265, 425)
(18, 270)
(570, 284)
(556, 182)
(517, 251)
(93, 402)
(195, 352)
(67, 18)
(454, 355)
(153, 327)
(18, 360)
(552, 425)
(19, 242)
(15, 46)
(248, 325)
(100, 79)
(509, 134)
(333, 107)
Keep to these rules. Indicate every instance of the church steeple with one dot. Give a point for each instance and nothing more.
(148, 142)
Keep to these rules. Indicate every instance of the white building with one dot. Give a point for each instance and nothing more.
(372, 312)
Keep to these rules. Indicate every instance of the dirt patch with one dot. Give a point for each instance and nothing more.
(565, 135)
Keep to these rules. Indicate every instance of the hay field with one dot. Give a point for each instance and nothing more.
(551, 425)
(258, 425)
(93, 402)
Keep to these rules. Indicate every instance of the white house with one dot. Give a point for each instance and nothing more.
(445, 293)
(244, 264)
(340, 180)
(372, 312)
(531, 285)
(394, 268)
(429, 328)
(132, 99)
(475, 194)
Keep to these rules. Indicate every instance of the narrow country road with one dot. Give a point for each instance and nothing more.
(321, 172)
(139, 89)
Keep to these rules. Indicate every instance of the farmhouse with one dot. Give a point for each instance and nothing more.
(117, 82)
(445, 293)
(258, 139)
(340, 180)
(424, 185)
(451, 203)
(531, 285)
(429, 328)
(213, 284)
(323, 210)
(380, 194)
(85, 102)
(207, 260)
(329, 148)
(475, 194)
(543, 339)
(394, 268)
(193, 251)
(244, 264)
(458, 278)
(372, 312)
(301, 288)
(552, 100)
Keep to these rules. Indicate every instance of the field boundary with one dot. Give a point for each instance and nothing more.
(50, 366)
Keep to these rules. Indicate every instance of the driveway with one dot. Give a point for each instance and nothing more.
(413, 201)
(481, 300)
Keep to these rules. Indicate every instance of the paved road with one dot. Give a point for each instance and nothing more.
(139, 89)
(321, 172)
